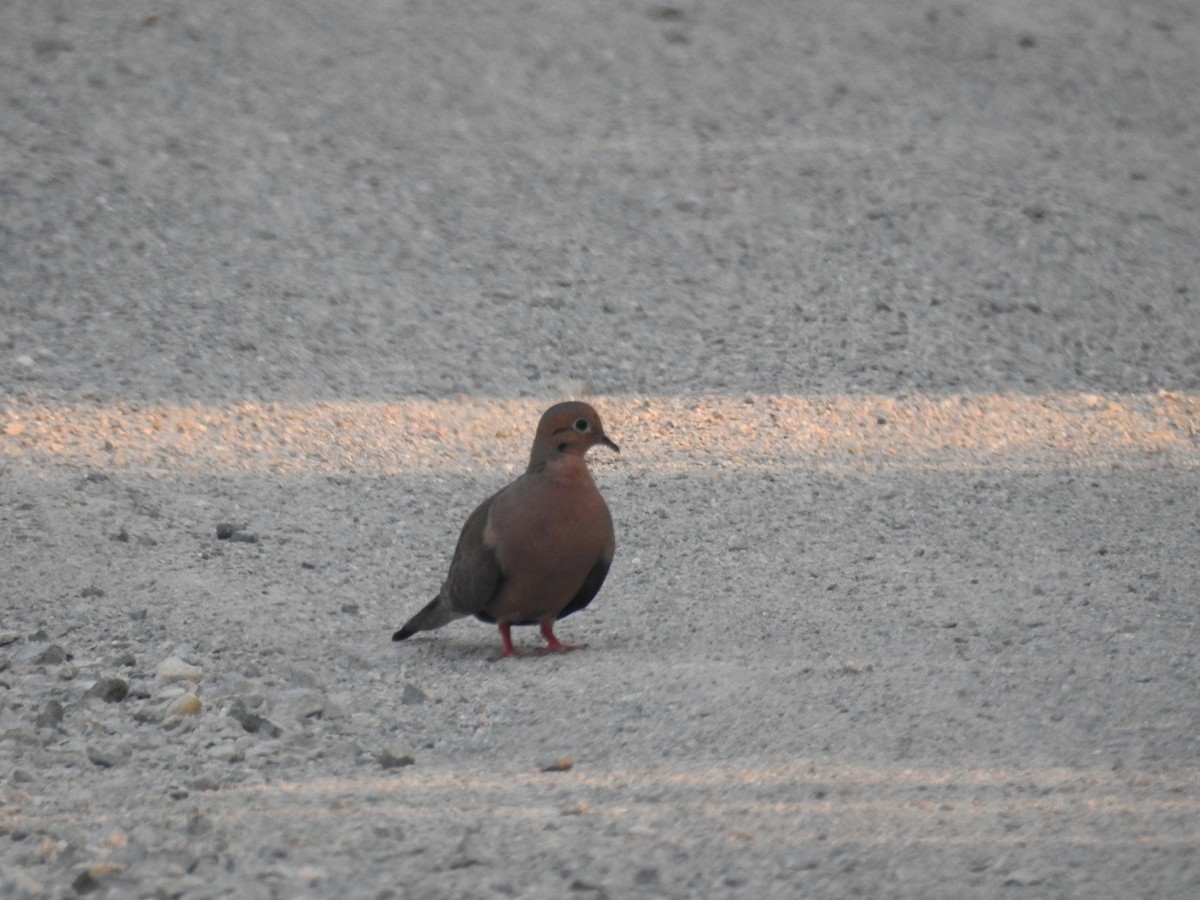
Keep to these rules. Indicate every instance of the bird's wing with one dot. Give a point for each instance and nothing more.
(475, 576)
(591, 587)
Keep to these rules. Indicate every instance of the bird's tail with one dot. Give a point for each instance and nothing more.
(434, 615)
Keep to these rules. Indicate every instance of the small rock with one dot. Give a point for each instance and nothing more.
(51, 715)
(199, 823)
(148, 714)
(170, 691)
(391, 759)
(646, 877)
(252, 721)
(110, 690)
(565, 764)
(187, 705)
(1021, 878)
(175, 669)
(230, 531)
(412, 695)
(687, 203)
(91, 878)
(24, 361)
(666, 11)
(52, 656)
(228, 752)
(107, 757)
(337, 706)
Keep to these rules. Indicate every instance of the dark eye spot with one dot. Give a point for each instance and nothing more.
(581, 424)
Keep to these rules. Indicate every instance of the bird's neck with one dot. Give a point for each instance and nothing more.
(559, 465)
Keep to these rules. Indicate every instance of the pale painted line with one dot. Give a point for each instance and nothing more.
(967, 805)
(707, 433)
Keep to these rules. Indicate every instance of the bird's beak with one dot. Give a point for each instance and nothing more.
(608, 442)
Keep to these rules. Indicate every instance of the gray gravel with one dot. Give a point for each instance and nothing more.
(892, 307)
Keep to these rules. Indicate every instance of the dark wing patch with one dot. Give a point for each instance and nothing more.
(591, 587)
(475, 576)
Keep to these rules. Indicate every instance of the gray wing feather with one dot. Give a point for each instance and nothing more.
(473, 582)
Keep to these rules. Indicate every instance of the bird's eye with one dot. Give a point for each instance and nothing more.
(581, 424)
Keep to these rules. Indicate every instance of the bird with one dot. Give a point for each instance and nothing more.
(538, 549)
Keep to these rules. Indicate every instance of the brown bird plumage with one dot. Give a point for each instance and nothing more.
(538, 549)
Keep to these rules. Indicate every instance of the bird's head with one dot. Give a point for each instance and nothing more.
(572, 428)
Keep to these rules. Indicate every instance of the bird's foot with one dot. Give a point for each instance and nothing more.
(553, 644)
(506, 639)
(558, 647)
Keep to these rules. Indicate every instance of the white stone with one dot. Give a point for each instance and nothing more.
(175, 669)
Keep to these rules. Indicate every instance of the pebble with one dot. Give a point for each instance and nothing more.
(337, 706)
(187, 705)
(106, 757)
(646, 877)
(52, 656)
(92, 877)
(412, 695)
(229, 751)
(228, 531)
(110, 690)
(51, 715)
(252, 721)
(1021, 878)
(391, 758)
(175, 669)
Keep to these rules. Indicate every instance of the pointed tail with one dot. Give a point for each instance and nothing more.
(434, 615)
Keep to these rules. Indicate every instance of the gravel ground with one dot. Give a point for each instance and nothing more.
(891, 306)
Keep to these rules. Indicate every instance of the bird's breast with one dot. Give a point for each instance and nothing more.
(547, 537)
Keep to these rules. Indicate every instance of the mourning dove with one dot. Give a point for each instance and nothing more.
(538, 549)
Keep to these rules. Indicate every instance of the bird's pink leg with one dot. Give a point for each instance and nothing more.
(506, 638)
(553, 645)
